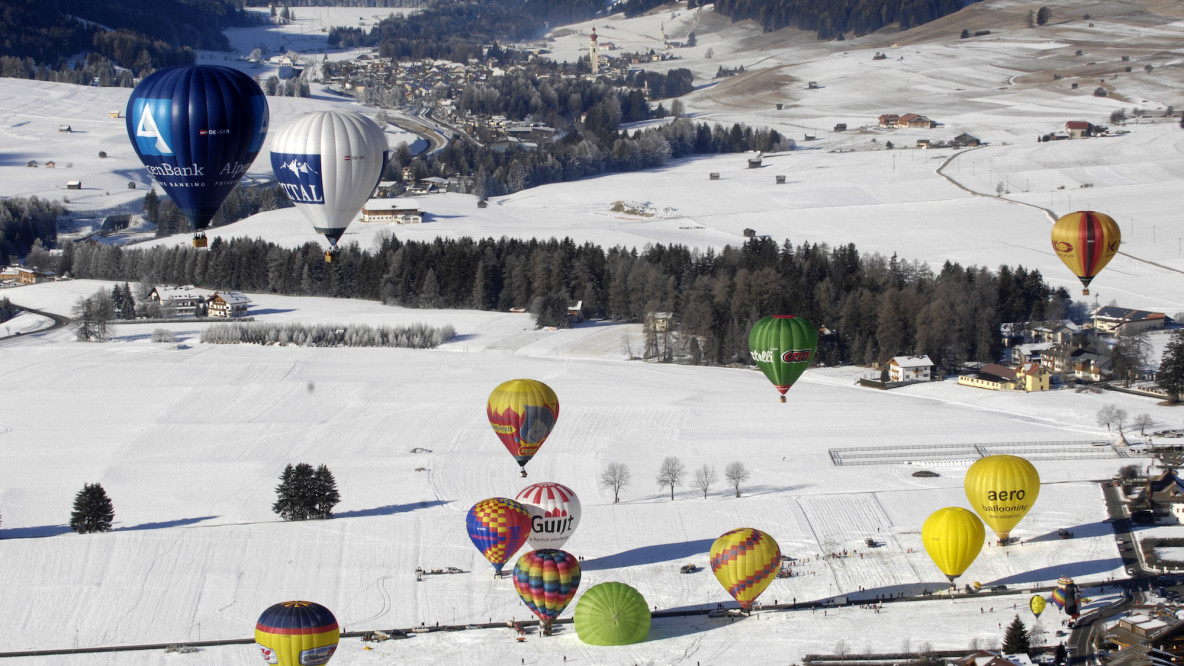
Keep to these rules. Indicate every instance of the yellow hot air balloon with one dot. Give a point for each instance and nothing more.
(745, 561)
(1037, 604)
(1086, 241)
(1002, 489)
(952, 537)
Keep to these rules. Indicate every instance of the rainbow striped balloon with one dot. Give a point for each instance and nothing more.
(498, 527)
(297, 633)
(745, 561)
(547, 581)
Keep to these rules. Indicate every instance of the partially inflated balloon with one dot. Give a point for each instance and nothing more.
(328, 164)
(197, 129)
(498, 527)
(1065, 596)
(554, 513)
(782, 347)
(522, 412)
(1037, 604)
(745, 561)
(546, 581)
(1002, 489)
(953, 537)
(612, 614)
(297, 633)
(1086, 241)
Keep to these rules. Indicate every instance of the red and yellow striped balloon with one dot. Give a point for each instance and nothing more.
(1086, 241)
(745, 561)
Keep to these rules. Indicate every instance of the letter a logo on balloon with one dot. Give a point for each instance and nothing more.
(158, 139)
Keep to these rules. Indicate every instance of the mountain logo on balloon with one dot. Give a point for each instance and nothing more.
(300, 176)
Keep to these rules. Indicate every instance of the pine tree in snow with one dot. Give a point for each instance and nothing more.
(93, 511)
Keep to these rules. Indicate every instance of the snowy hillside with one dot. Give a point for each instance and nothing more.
(189, 439)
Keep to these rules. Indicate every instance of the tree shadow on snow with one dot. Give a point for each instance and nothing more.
(34, 532)
(388, 510)
(1071, 569)
(665, 552)
(163, 524)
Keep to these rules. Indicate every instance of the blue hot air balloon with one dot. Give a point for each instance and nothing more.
(197, 129)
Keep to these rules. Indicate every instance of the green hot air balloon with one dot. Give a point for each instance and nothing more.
(612, 614)
(782, 346)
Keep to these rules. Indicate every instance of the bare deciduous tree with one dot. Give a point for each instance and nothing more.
(1143, 422)
(736, 474)
(704, 477)
(670, 474)
(615, 477)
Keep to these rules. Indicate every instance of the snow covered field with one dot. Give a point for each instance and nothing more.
(189, 439)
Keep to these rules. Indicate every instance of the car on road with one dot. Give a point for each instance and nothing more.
(1060, 632)
(998, 588)
(717, 612)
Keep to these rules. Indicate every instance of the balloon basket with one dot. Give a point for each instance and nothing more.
(782, 399)
(522, 474)
(329, 257)
(1085, 292)
(200, 241)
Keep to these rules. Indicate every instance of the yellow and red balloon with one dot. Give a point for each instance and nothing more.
(745, 561)
(297, 633)
(1086, 241)
(522, 413)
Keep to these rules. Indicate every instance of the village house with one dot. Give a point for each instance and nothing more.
(910, 369)
(994, 377)
(32, 275)
(964, 140)
(1124, 321)
(888, 120)
(185, 300)
(1091, 367)
(400, 210)
(50, 164)
(1165, 492)
(1146, 632)
(227, 304)
(1078, 129)
(1060, 332)
(1029, 352)
(915, 120)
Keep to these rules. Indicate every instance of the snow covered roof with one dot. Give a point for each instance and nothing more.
(231, 297)
(393, 203)
(182, 292)
(912, 361)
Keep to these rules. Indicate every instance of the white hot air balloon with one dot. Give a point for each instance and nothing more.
(328, 163)
(554, 513)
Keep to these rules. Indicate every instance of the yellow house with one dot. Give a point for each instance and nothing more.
(1032, 376)
(995, 377)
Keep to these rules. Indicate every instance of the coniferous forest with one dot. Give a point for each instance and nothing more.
(869, 308)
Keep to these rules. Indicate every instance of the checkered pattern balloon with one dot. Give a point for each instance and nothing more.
(745, 561)
(498, 528)
(547, 581)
